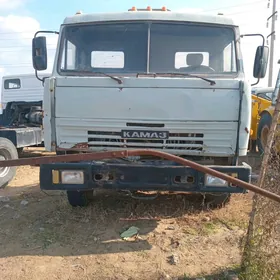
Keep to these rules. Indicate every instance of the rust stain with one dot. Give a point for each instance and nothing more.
(83, 145)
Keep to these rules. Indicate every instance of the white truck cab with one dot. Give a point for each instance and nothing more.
(149, 79)
(21, 87)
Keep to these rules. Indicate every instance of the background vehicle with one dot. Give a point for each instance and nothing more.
(146, 79)
(263, 104)
(21, 119)
(21, 87)
(265, 93)
(261, 100)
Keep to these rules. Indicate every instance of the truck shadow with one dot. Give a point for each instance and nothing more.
(35, 223)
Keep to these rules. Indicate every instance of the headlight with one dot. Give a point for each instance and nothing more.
(211, 181)
(72, 177)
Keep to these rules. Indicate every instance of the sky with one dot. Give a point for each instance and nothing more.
(20, 19)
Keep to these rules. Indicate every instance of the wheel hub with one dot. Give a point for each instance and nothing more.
(4, 170)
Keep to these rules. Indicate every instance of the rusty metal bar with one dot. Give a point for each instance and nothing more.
(140, 152)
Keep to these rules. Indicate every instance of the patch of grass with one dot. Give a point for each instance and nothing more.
(210, 228)
(207, 228)
(46, 237)
(185, 277)
(220, 275)
(232, 224)
(190, 230)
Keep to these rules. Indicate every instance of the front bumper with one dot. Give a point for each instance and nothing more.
(143, 176)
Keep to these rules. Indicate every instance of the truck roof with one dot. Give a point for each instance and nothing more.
(24, 75)
(149, 15)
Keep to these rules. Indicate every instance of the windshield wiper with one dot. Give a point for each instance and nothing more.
(177, 74)
(110, 76)
(98, 73)
(212, 83)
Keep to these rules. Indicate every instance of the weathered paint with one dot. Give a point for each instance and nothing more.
(146, 16)
(182, 105)
(188, 105)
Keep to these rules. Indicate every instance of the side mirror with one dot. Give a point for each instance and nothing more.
(261, 61)
(39, 53)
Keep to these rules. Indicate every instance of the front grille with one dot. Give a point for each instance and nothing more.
(178, 141)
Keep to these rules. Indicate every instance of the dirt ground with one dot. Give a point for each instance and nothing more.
(42, 237)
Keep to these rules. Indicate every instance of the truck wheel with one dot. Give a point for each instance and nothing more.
(78, 198)
(263, 131)
(220, 199)
(7, 151)
(254, 145)
(217, 199)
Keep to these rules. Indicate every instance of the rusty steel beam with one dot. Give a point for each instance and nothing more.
(139, 152)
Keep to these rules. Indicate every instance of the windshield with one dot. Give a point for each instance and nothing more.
(130, 48)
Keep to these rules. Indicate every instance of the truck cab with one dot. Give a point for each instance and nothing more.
(146, 79)
(20, 88)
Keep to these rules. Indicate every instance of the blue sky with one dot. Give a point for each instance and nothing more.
(51, 13)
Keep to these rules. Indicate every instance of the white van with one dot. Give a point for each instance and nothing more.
(22, 87)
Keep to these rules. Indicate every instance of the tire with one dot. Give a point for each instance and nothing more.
(254, 146)
(7, 151)
(78, 198)
(217, 199)
(263, 131)
(220, 199)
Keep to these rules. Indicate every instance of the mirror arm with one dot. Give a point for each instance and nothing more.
(263, 42)
(42, 31)
(36, 74)
(247, 35)
(41, 80)
(258, 80)
(38, 32)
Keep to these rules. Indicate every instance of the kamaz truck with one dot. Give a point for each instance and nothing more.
(147, 79)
